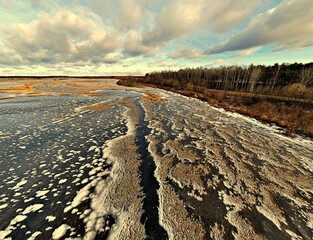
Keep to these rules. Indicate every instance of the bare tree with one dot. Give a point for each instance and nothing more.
(275, 77)
(306, 76)
(254, 77)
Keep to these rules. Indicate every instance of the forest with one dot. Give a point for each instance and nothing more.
(261, 79)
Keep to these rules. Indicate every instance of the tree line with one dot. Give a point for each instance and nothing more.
(252, 78)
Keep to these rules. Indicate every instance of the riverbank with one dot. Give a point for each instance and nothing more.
(293, 114)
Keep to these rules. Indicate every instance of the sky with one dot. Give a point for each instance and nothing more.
(134, 37)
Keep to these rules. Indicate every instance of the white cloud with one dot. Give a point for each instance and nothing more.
(130, 14)
(288, 26)
(64, 36)
(187, 53)
(122, 14)
(179, 18)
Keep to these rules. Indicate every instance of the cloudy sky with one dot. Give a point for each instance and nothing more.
(121, 37)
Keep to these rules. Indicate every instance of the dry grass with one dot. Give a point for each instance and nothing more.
(292, 117)
(99, 107)
(130, 105)
(297, 90)
(27, 88)
(152, 97)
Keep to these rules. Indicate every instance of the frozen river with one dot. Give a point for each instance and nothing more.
(146, 164)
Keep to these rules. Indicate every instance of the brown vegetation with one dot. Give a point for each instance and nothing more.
(99, 106)
(152, 97)
(25, 87)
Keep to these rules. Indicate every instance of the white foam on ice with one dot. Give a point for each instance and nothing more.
(94, 148)
(3, 206)
(32, 208)
(28, 200)
(41, 193)
(18, 185)
(34, 235)
(50, 218)
(86, 180)
(62, 181)
(60, 231)
(10, 228)
(94, 171)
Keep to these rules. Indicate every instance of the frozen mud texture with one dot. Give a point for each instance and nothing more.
(85, 159)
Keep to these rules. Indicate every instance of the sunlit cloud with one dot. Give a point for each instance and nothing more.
(246, 52)
(63, 36)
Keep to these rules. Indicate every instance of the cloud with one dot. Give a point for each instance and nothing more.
(8, 57)
(192, 53)
(124, 15)
(246, 52)
(64, 36)
(288, 26)
(5, 3)
(130, 14)
(125, 34)
(216, 62)
(133, 46)
(179, 18)
(161, 64)
(111, 58)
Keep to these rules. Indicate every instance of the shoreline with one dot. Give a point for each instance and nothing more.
(282, 112)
